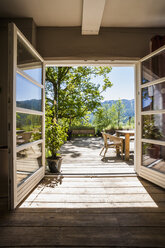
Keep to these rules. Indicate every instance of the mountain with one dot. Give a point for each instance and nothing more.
(34, 104)
(129, 107)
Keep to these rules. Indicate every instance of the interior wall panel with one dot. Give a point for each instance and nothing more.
(111, 43)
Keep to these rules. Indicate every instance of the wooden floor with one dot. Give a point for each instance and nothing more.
(88, 212)
(95, 203)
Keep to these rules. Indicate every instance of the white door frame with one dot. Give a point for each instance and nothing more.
(149, 174)
(18, 193)
(114, 63)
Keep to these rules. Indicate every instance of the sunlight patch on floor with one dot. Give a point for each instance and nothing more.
(113, 192)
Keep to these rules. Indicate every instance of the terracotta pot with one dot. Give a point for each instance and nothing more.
(54, 164)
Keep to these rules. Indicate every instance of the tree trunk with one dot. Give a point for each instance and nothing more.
(55, 102)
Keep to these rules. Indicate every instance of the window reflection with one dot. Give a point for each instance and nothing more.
(28, 128)
(28, 62)
(28, 95)
(28, 161)
(153, 157)
(35, 73)
(153, 127)
(153, 68)
(153, 97)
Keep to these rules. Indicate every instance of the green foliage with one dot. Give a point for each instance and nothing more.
(129, 106)
(84, 121)
(72, 93)
(150, 130)
(35, 136)
(55, 134)
(120, 110)
(109, 117)
(130, 123)
(28, 122)
(55, 137)
(101, 118)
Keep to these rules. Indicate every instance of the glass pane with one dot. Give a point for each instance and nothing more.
(28, 128)
(153, 97)
(28, 62)
(153, 127)
(153, 157)
(153, 68)
(28, 161)
(28, 95)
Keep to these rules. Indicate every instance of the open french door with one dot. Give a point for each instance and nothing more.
(150, 121)
(26, 117)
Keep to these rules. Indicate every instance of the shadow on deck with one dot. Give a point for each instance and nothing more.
(81, 156)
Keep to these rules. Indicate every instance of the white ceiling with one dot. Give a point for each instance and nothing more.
(134, 13)
(109, 13)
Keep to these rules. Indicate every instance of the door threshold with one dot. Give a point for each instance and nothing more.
(92, 175)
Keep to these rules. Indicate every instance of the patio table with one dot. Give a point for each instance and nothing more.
(127, 134)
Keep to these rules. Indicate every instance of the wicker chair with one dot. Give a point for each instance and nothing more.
(111, 141)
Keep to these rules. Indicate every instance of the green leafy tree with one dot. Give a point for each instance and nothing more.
(120, 111)
(131, 122)
(105, 117)
(109, 117)
(71, 93)
(112, 116)
(102, 118)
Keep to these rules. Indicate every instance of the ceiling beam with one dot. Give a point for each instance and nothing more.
(92, 16)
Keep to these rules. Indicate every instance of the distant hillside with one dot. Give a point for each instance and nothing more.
(129, 107)
(30, 104)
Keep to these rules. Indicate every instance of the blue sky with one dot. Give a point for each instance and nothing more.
(123, 84)
(121, 77)
(25, 90)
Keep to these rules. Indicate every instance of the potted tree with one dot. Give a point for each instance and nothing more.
(55, 137)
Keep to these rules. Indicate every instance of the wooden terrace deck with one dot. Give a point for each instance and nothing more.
(81, 156)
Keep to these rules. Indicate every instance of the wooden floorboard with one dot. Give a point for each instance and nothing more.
(121, 211)
(79, 219)
(86, 236)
